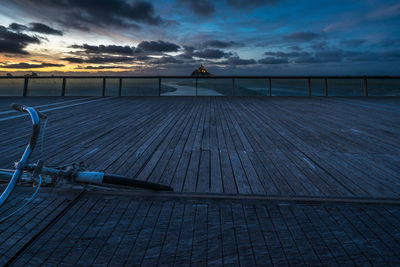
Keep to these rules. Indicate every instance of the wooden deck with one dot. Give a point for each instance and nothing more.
(265, 180)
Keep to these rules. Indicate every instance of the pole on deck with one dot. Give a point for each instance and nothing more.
(120, 87)
(103, 93)
(63, 86)
(325, 86)
(270, 86)
(365, 86)
(25, 92)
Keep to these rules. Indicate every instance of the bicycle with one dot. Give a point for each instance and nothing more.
(39, 174)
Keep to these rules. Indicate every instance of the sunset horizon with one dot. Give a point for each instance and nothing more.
(232, 37)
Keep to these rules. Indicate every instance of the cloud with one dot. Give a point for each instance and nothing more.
(353, 42)
(237, 61)
(105, 59)
(43, 28)
(319, 45)
(165, 60)
(30, 66)
(157, 47)
(273, 60)
(35, 27)
(282, 54)
(249, 4)
(15, 42)
(302, 37)
(99, 59)
(105, 49)
(335, 55)
(73, 59)
(121, 13)
(202, 8)
(103, 67)
(295, 47)
(220, 44)
(382, 13)
(18, 27)
(211, 54)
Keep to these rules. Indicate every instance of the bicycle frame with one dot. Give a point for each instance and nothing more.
(72, 173)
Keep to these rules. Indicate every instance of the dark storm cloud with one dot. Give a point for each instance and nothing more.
(353, 42)
(302, 37)
(202, 8)
(15, 42)
(188, 52)
(18, 27)
(106, 49)
(99, 59)
(273, 60)
(31, 66)
(237, 61)
(251, 3)
(156, 47)
(43, 28)
(321, 57)
(220, 44)
(35, 27)
(165, 60)
(331, 55)
(73, 59)
(211, 54)
(282, 54)
(98, 12)
(103, 67)
(102, 60)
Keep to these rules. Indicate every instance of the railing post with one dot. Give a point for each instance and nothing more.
(103, 93)
(26, 80)
(309, 86)
(270, 86)
(120, 87)
(325, 86)
(196, 86)
(159, 86)
(233, 86)
(63, 86)
(365, 86)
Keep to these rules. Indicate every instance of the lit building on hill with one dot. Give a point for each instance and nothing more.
(201, 71)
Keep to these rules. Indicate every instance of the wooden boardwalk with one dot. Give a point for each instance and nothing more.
(336, 154)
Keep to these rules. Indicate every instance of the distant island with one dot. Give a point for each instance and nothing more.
(201, 71)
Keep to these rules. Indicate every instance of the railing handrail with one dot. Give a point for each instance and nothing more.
(202, 77)
(234, 80)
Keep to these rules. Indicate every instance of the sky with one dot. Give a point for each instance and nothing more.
(174, 37)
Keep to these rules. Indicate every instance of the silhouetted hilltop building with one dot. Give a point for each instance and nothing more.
(201, 71)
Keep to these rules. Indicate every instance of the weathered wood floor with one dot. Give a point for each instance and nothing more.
(335, 153)
(274, 146)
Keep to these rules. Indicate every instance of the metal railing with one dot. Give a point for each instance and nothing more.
(200, 86)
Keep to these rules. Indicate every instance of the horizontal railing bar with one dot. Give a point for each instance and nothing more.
(200, 77)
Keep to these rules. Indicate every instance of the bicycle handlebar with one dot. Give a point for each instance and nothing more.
(24, 108)
(28, 150)
(105, 178)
